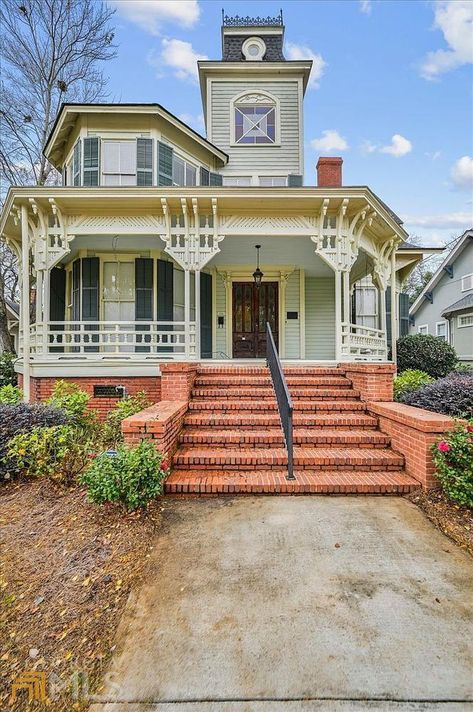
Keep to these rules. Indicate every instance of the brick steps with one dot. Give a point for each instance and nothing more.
(254, 405)
(247, 420)
(307, 482)
(213, 437)
(232, 440)
(304, 458)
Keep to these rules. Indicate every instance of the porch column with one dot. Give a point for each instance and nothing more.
(187, 312)
(346, 297)
(197, 315)
(393, 308)
(338, 315)
(382, 309)
(39, 296)
(25, 301)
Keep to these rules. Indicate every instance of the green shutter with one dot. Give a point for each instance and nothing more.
(77, 164)
(206, 317)
(57, 303)
(388, 317)
(403, 314)
(164, 164)
(90, 296)
(143, 299)
(165, 299)
(215, 179)
(76, 290)
(204, 176)
(91, 161)
(294, 181)
(144, 161)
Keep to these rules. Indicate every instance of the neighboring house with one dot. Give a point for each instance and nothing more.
(147, 253)
(444, 308)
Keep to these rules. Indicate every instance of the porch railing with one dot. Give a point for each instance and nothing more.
(283, 398)
(362, 343)
(108, 340)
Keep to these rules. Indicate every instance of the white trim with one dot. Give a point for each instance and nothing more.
(423, 326)
(462, 316)
(260, 44)
(256, 29)
(466, 276)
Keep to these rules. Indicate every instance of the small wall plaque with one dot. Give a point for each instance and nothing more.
(292, 315)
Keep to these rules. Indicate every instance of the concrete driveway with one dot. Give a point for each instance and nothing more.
(297, 603)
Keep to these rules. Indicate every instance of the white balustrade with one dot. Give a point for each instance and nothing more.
(108, 340)
(362, 343)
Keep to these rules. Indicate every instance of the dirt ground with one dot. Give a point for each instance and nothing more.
(454, 521)
(67, 569)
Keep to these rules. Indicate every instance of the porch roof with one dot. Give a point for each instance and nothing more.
(306, 201)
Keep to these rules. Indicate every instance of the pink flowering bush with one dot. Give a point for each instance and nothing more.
(453, 457)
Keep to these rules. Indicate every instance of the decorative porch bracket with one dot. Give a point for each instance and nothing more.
(192, 238)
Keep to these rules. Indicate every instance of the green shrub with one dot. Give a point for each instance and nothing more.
(11, 395)
(22, 418)
(8, 376)
(426, 353)
(75, 404)
(463, 367)
(453, 457)
(131, 477)
(409, 381)
(111, 432)
(54, 452)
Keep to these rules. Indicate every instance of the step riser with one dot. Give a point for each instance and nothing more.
(260, 467)
(239, 381)
(266, 394)
(249, 405)
(262, 440)
(249, 423)
(315, 371)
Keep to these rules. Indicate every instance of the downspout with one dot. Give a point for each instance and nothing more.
(25, 302)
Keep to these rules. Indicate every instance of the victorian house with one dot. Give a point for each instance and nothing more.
(164, 247)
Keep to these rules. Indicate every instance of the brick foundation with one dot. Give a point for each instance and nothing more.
(41, 388)
(412, 432)
(374, 381)
(161, 423)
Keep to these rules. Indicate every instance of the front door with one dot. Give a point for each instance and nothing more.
(252, 307)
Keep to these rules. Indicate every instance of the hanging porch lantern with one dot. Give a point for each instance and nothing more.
(257, 274)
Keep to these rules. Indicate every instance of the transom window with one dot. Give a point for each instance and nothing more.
(242, 181)
(255, 119)
(465, 320)
(272, 181)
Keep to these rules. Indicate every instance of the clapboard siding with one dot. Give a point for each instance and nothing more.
(250, 159)
(320, 318)
(292, 336)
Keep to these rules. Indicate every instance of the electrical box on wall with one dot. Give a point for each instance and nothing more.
(220, 321)
(292, 315)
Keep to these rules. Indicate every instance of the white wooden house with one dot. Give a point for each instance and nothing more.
(147, 252)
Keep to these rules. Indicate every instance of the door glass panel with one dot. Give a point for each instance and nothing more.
(238, 309)
(248, 308)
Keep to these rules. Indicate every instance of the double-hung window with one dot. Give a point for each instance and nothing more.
(183, 173)
(441, 330)
(118, 162)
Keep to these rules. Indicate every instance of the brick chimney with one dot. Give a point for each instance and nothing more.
(329, 172)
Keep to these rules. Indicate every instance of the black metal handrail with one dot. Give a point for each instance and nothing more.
(283, 398)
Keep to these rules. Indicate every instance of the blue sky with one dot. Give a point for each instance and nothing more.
(391, 89)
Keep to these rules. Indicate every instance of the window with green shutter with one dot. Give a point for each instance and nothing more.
(215, 179)
(206, 320)
(164, 164)
(388, 316)
(57, 305)
(165, 293)
(403, 314)
(144, 161)
(143, 299)
(90, 297)
(91, 161)
(77, 164)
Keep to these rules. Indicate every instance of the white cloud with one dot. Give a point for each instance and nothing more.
(462, 173)
(297, 52)
(180, 56)
(442, 221)
(196, 121)
(455, 19)
(398, 147)
(329, 141)
(368, 147)
(365, 7)
(151, 15)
